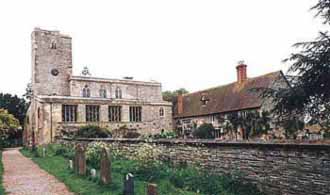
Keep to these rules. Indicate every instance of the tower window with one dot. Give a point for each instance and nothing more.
(69, 113)
(135, 113)
(118, 93)
(86, 91)
(92, 113)
(53, 45)
(114, 113)
(161, 112)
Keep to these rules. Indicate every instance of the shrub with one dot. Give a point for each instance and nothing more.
(148, 163)
(165, 135)
(125, 132)
(131, 134)
(205, 131)
(93, 131)
(66, 151)
(93, 153)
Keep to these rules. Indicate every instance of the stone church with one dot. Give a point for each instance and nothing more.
(61, 100)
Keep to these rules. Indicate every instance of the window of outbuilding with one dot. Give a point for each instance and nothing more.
(204, 99)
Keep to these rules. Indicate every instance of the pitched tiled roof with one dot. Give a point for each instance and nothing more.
(226, 98)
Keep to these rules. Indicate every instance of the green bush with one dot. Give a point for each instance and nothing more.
(93, 153)
(165, 135)
(93, 131)
(205, 131)
(66, 151)
(131, 134)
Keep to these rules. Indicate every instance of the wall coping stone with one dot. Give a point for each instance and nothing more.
(290, 144)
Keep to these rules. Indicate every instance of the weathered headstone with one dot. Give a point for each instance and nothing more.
(152, 189)
(43, 152)
(105, 170)
(70, 164)
(93, 173)
(129, 184)
(80, 160)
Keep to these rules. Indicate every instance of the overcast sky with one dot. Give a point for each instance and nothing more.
(181, 43)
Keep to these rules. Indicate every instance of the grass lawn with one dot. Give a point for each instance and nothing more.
(58, 166)
(2, 190)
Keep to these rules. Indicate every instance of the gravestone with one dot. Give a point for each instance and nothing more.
(152, 189)
(70, 164)
(105, 170)
(93, 173)
(129, 184)
(80, 160)
(43, 152)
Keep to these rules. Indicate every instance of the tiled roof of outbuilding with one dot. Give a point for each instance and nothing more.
(226, 98)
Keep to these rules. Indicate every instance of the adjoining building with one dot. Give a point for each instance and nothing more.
(213, 105)
(62, 101)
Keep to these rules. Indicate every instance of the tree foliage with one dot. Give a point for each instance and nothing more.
(253, 122)
(205, 131)
(309, 93)
(8, 125)
(171, 95)
(14, 105)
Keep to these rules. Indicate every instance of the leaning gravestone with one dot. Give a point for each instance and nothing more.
(93, 173)
(43, 152)
(129, 184)
(70, 164)
(105, 170)
(152, 189)
(80, 160)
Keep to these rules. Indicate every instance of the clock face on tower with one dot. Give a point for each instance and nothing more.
(54, 72)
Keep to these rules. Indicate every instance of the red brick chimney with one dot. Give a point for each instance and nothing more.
(241, 72)
(180, 103)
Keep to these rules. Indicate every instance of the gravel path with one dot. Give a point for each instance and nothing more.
(23, 177)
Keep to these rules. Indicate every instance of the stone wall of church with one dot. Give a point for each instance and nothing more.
(131, 90)
(49, 122)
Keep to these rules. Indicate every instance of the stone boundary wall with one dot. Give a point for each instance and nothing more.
(276, 168)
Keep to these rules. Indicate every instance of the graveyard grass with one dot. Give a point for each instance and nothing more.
(2, 190)
(58, 166)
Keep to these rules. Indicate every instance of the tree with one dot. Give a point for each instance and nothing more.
(205, 131)
(9, 126)
(309, 93)
(14, 105)
(171, 95)
(253, 123)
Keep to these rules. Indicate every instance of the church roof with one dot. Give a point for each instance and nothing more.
(226, 98)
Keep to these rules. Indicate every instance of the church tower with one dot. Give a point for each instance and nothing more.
(51, 63)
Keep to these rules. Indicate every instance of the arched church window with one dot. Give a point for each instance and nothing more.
(161, 112)
(118, 93)
(103, 92)
(53, 45)
(86, 91)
